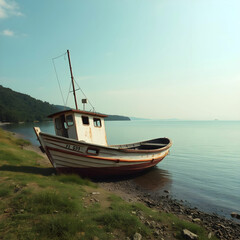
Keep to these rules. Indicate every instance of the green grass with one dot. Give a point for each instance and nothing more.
(129, 224)
(5, 190)
(36, 204)
(75, 179)
(59, 227)
(21, 142)
(43, 202)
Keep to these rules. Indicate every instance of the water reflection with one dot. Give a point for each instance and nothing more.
(155, 180)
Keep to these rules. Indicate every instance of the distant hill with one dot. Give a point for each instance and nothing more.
(19, 107)
(135, 118)
(117, 118)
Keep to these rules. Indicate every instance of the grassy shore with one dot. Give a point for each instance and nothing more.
(37, 204)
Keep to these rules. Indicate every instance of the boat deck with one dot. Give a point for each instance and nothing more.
(146, 145)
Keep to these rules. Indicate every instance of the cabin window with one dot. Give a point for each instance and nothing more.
(92, 151)
(85, 120)
(69, 120)
(58, 123)
(97, 122)
(61, 126)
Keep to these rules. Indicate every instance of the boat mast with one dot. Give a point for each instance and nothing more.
(72, 79)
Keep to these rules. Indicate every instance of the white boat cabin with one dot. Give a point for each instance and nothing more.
(81, 126)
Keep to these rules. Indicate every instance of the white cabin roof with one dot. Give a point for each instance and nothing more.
(77, 111)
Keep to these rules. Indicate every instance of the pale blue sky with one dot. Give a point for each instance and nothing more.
(144, 58)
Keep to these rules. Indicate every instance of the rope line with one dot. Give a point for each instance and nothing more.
(60, 56)
(85, 96)
(68, 92)
(58, 82)
(79, 88)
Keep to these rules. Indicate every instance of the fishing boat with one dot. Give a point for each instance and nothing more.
(80, 145)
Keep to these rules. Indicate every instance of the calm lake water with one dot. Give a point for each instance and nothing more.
(203, 167)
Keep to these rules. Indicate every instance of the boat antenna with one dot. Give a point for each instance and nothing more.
(72, 79)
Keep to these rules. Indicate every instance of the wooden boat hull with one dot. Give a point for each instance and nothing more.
(91, 160)
(94, 172)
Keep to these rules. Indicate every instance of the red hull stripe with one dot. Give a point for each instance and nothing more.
(104, 158)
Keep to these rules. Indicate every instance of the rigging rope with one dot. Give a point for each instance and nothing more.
(79, 88)
(64, 54)
(68, 92)
(57, 78)
(85, 96)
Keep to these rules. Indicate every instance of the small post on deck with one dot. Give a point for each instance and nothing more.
(72, 79)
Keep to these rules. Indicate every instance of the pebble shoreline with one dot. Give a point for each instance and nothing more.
(222, 228)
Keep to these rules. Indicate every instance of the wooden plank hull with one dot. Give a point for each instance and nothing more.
(90, 160)
(93, 172)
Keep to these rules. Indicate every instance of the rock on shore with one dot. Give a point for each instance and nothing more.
(221, 227)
